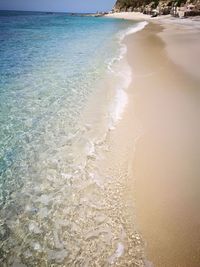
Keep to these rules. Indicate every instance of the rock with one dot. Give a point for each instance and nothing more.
(4, 232)
(165, 7)
(17, 264)
(57, 256)
(118, 253)
(36, 246)
(34, 228)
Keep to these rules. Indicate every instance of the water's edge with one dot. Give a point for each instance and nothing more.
(69, 210)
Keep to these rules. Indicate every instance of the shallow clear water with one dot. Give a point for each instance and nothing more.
(55, 208)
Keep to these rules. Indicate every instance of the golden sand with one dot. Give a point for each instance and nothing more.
(165, 168)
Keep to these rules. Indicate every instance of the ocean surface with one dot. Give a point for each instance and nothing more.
(63, 83)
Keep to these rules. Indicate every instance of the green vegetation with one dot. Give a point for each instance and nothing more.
(156, 2)
(132, 3)
(179, 2)
(121, 4)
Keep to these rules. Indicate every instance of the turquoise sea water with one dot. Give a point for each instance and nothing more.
(54, 209)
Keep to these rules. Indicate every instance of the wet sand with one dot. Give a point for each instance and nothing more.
(165, 169)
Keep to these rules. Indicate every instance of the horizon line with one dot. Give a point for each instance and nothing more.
(43, 11)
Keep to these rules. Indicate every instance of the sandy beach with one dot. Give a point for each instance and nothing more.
(99, 140)
(163, 118)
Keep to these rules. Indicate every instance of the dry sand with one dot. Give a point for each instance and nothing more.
(166, 167)
(163, 119)
(129, 16)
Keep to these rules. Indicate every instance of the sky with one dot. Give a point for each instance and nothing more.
(58, 5)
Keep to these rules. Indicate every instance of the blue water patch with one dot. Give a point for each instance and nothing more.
(50, 64)
(47, 62)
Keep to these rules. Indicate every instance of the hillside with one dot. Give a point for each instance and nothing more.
(146, 6)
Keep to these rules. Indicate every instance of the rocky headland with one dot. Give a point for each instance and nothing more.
(178, 8)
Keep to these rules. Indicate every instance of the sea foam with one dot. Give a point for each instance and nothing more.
(136, 28)
(124, 73)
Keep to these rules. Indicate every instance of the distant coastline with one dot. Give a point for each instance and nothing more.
(46, 12)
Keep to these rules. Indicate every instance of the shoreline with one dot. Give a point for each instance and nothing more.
(110, 167)
(162, 186)
(178, 34)
(160, 18)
